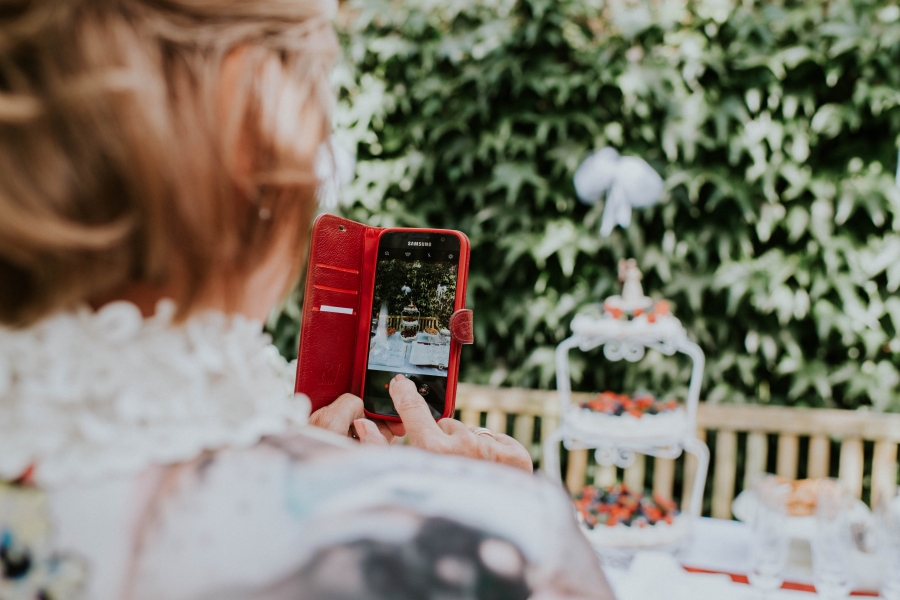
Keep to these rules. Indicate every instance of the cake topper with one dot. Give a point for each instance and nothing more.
(628, 182)
(632, 297)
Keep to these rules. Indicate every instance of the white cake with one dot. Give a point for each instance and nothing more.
(616, 517)
(648, 536)
(646, 325)
(662, 427)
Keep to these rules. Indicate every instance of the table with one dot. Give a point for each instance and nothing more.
(710, 567)
(393, 354)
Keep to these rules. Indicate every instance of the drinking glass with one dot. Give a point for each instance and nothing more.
(887, 518)
(833, 541)
(768, 537)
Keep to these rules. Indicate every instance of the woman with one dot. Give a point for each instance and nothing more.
(157, 182)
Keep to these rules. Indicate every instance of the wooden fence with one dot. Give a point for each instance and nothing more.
(860, 448)
(424, 322)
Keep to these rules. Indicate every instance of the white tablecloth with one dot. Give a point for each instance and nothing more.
(716, 545)
(720, 545)
(429, 354)
(393, 354)
(658, 576)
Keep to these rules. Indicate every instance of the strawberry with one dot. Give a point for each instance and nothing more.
(619, 505)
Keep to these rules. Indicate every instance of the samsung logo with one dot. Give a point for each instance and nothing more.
(418, 243)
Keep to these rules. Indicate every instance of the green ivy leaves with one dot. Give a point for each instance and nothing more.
(774, 124)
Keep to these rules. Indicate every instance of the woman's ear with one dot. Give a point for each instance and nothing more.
(261, 288)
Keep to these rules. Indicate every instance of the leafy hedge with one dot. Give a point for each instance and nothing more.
(774, 123)
(421, 279)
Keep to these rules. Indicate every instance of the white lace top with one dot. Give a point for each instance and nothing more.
(115, 412)
(87, 395)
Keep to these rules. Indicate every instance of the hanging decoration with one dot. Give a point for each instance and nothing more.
(626, 181)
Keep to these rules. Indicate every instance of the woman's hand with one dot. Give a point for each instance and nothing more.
(447, 436)
(347, 412)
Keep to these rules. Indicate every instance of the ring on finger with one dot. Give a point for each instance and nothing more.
(482, 431)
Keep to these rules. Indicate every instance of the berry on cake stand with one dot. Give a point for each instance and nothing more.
(620, 426)
(629, 520)
(409, 323)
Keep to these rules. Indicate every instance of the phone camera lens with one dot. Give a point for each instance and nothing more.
(442, 239)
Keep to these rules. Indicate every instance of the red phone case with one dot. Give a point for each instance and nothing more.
(334, 345)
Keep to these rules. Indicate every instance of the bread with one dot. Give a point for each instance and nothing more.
(801, 501)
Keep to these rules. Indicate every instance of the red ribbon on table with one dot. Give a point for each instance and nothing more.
(788, 585)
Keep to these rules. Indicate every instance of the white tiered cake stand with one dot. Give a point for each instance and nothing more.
(629, 340)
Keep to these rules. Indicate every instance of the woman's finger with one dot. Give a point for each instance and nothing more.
(396, 428)
(506, 440)
(338, 415)
(501, 448)
(451, 426)
(421, 427)
(385, 431)
(368, 433)
(513, 454)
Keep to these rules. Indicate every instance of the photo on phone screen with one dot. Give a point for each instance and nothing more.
(415, 293)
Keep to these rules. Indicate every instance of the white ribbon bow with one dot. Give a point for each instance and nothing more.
(628, 181)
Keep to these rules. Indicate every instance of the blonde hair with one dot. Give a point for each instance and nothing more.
(116, 163)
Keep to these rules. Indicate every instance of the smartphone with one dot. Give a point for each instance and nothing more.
(420, 281)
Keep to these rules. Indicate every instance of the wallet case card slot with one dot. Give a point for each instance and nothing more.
(322, 278)
(326, 297)
(336, 268)
(335, 309)
(335, 289)
(329, 366)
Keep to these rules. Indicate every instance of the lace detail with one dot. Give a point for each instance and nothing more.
(88, 394)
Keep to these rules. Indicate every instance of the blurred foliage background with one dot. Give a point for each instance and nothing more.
(422, 279)
(773, 122)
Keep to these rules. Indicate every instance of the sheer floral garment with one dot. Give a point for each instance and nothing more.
(147, 460)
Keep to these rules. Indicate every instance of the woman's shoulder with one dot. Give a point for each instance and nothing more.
(87, 395)
(81, 537)
(250, 520)
(294, 498)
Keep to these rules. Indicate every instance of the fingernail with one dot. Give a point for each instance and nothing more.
(360, 428)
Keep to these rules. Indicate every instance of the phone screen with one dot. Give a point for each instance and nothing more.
(415, 294)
